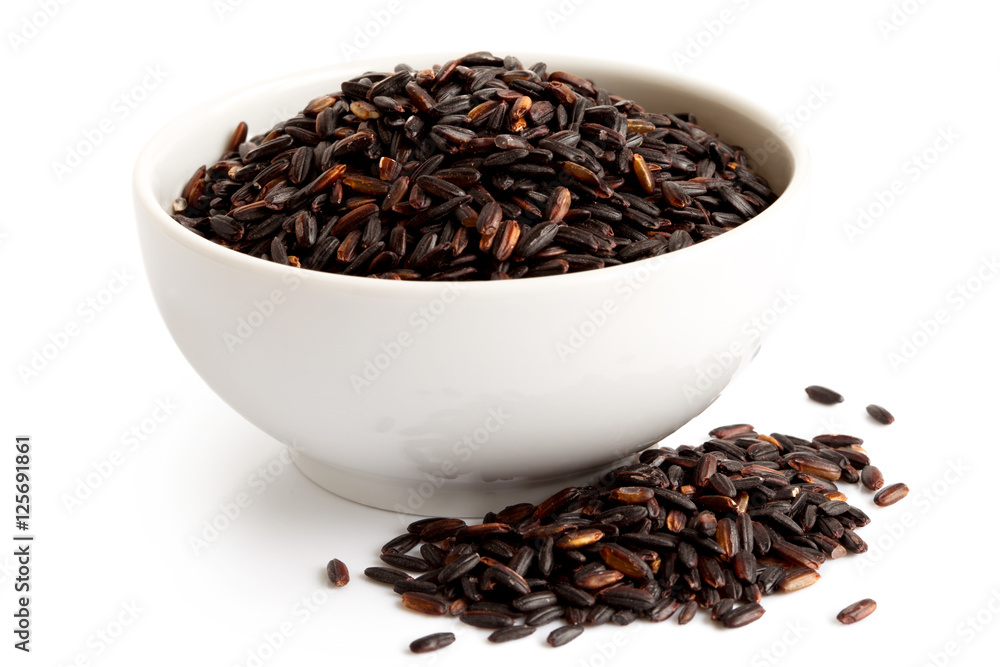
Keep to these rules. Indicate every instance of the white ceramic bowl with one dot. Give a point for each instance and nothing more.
(433, 398)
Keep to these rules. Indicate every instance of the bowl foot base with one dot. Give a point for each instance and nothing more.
(447, 498)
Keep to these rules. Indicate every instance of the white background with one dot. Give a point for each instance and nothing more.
(870, 86)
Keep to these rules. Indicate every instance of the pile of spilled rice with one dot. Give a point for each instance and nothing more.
(716, 527)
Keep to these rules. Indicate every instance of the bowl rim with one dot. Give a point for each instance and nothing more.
(145, 197)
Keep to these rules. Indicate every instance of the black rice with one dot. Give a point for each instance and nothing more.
(823, 395)
(857, 611)
(717, 527)
(433, 642)
(880, 414)
(471, 170)
(337, 572)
